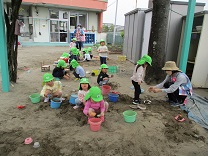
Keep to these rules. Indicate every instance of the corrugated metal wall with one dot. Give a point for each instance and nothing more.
(133, 34)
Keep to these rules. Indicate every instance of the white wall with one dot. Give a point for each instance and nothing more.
(41, 24)
(146, 32)
(92, 21)
(200, 73)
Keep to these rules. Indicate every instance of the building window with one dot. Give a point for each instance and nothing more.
(78, 18)
(54, 14)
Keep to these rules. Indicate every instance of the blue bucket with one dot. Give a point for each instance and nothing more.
(113, 97)
(55, 103)
(72, 99)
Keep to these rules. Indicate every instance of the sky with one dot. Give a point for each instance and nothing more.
(125, 6)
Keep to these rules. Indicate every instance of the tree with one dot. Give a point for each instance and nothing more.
(105, 28)
(111, 28)
(157, 40)
(12, 39)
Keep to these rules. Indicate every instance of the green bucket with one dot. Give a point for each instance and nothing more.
(112, 69)
(35, 98)
(129, 116)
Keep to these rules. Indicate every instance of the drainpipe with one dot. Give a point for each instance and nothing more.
(187, 35)
(100, 22)
(114, 31)
(3, 54)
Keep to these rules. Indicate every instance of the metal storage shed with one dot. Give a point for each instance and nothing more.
(138, 26)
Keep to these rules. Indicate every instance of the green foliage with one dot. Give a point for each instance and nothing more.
(122, 34)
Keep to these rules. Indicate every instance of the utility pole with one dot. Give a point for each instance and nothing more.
(136, 4)
(114, 32)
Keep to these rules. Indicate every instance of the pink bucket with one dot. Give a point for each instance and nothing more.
(106, 89)
(95, 124)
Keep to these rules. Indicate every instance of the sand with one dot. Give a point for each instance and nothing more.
(65, 132)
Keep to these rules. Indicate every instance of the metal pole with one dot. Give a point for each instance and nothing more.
(187, 35)
(136, 4)
(114, 31)
(3, 54)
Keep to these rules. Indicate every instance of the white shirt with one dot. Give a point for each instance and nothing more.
(103, 51)
(87, 57)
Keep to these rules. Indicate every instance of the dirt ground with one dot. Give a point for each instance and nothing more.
(65, 132)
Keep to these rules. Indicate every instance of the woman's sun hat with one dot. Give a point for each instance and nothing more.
(95, 94)
(84, 80)
(47, 77)
(62, 63)
(103, 66)
(170, 65)
(74, 63)
(145, 58)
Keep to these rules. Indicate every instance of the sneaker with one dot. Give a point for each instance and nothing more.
(46, 99)
(75, 107)
(135, 102)
(174, 104)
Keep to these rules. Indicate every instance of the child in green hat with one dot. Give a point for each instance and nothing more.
(72, 43)
(51, 87)
(86, 55)
(138, 76)
(95, 105)
(83, 90)
(103, 77)
(103, 52)
(60, 70)
(78, 70)
(89, 49)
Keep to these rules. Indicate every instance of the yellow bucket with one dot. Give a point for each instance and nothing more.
(96, 72)
(122, 58)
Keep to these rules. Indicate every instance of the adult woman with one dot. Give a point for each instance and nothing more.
(79, 35)
(176, 84)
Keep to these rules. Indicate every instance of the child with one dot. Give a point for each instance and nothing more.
(86, 55)
(60, 72)
(83, 90)
(73, 43)
(95, 105)
(138, 76)
(103, 52)
(78, 70)
(103, 77)
(65, 57)
(89, 49)
(51, 87)
(73, 52)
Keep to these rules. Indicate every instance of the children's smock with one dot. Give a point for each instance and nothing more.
(87, 57)
(79, 70)
(101, 76)
(138, 76)
(72, 44)
(56, 87)
(81, 95)
(97, 106)
(103, 48)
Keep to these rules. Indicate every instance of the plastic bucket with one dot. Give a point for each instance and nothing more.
(113, 97)
(95, 124)
(55, 103)
(96, 72)
(129, 116)
(35, 98)
(112, 69)
(106, 89)
(72, 99)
